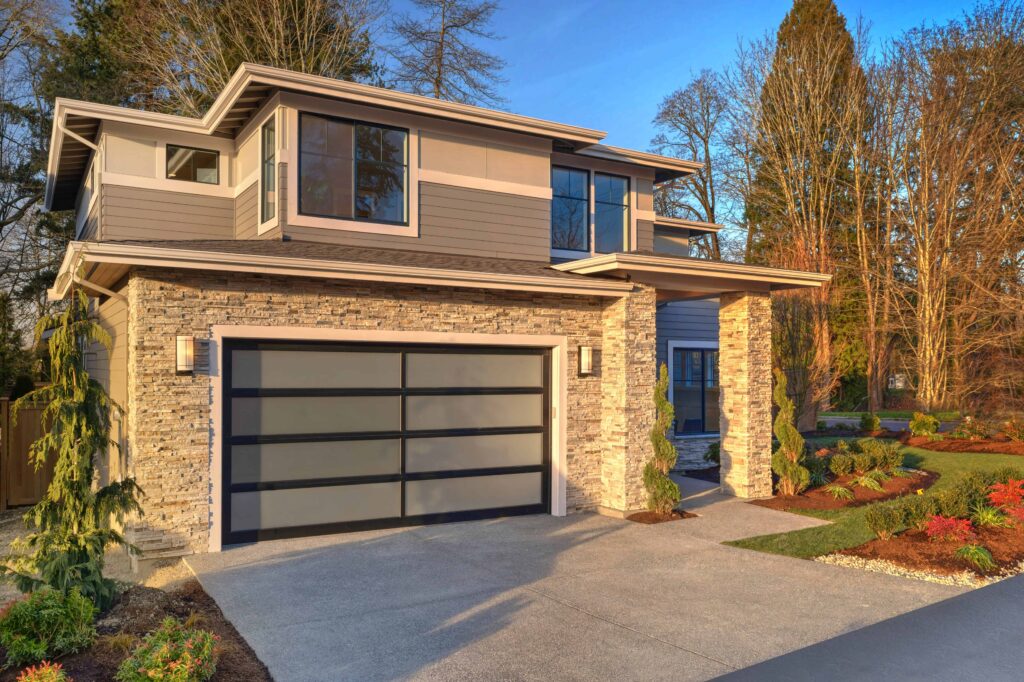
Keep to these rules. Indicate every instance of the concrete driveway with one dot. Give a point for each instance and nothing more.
(577, 598)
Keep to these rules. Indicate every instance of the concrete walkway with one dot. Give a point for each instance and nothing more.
(578, 598)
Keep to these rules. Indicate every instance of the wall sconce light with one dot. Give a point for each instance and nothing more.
(586, 361)
(186, 354)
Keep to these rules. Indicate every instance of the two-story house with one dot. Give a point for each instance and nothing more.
(336, 307)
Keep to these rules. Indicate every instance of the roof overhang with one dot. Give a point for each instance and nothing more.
(250, 85)
(100, 265)
(679, 277)
(688, 225)
(665, 167)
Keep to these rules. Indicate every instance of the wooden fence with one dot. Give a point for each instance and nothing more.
(20, 483)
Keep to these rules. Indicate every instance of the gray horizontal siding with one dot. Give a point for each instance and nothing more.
(246, 213)
(459, 220)
(686, 320)
(90, 229)
(136, 213)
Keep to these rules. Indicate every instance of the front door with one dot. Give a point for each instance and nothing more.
(695, 390)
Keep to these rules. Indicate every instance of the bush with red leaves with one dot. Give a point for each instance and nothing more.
(948, 528)
(1007, 495)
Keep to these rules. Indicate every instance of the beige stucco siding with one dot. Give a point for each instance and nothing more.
(137, 213)
(459, 220)
(247, 212)
(484, 159)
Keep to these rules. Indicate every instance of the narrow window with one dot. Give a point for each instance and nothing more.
(268, 170)
(380, 170)
(325, 167)
(570, 209)
(695, 390)
(611, 213)
(193, 165)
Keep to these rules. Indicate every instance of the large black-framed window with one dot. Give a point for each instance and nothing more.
(268, 170)
(611, 213)
(192, 164)
(327, 437)
(695, 390)
(353, 170)
(570, 209)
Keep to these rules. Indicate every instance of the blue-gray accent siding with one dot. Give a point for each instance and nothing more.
(689, 320)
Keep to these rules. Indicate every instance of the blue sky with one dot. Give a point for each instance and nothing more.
(606, 64)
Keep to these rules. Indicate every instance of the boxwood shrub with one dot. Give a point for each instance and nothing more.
(885, 519)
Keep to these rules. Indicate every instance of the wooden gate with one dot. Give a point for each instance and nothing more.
(20, 483)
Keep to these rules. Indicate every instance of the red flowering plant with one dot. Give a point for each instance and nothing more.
(1007, 495)
(948, 528)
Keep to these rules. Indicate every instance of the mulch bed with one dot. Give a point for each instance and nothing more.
(818, 498)
(649, 517)
(139, 611)
(913, 549)
(999, 445)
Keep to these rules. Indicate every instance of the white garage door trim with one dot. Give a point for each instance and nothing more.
(558, 379)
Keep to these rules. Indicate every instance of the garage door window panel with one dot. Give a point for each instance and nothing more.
(275, 416)
(474, 452)
(269, 462)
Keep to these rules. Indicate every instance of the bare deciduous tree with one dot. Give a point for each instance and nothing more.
(436, 54)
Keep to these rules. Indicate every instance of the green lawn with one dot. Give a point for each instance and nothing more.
(848, 528)
(947, 416)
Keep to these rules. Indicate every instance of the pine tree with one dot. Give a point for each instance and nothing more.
(72, 523)
(787, 461)
(662, 492)
(13, 357)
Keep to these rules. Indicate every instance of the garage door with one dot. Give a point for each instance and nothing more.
(323, 438)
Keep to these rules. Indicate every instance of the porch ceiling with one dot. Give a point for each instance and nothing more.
(679, 277)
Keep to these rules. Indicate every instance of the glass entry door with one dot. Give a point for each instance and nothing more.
(695, 390)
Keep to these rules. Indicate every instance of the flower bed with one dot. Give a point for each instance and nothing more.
(914, 549)
(820, 498)
(998, 444)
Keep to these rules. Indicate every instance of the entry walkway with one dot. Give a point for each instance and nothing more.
(538, 598)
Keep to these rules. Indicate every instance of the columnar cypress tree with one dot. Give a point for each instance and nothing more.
(787, 461)
(72, 522)
(662, 492)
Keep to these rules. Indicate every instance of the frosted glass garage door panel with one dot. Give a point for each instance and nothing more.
(473, 411)
(301, 461)
(281, 416)
(474, 452)
(314, 369)
(444, 495)
(311, 506)
(465, 370)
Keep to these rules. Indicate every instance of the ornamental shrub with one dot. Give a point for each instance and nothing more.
(863, 462)
(970, 428)
(662, 492)
(947, 528)
(977, 556)
(884, 519)
(44, 672)
(840, 464)
(923, 424)
(1009, 494)
(788, 459)
(714, 452)
(173, 652)
(918, 510)
(870, 422)
(47, 624)
(888, 455)
(1013, 429)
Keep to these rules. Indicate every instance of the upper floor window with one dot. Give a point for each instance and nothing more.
(570, 209)
(268, 170)
(193, 165)
(611, 213)
(353, 170)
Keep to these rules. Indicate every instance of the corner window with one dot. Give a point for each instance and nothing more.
(351, 170)
(193, 165)
(268, 170)
(611, 213)
(570, 209)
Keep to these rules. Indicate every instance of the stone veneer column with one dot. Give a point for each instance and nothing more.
(627, 371)
(745, 398)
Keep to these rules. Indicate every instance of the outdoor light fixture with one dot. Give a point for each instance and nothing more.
(586, 360)
(186, 354)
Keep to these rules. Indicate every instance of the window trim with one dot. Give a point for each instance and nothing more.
(271, 121)
(354, 122)
(629, 235)
(671, 346)
(167, 158)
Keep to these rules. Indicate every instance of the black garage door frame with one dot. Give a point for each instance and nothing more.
(403, 434)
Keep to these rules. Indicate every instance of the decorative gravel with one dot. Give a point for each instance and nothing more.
(963, 579)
